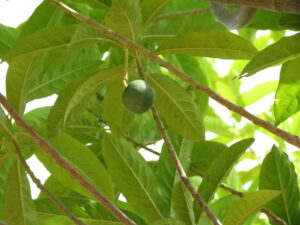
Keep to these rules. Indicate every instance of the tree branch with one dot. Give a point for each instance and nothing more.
(292, 139)
(271, 215)
(63, 163)
(180, 169)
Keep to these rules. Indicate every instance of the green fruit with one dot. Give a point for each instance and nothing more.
(138, 97)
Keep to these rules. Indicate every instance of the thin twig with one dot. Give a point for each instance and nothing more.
(141, 145)
(270, 214)
(180, 169)
(292, 139)
(48, 149)
(184, 13)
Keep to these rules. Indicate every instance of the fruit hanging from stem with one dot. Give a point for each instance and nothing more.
(138, 96)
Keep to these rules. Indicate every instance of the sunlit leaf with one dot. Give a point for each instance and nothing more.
(278, 173)
(8, 36)
(140, 185)
(215, 44)
(177, 108)
(19, 208)
(284, 49)
(288, 91)
(152, 8)
(248, 205)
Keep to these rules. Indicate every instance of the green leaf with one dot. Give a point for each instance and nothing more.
(5, 124)
(168, 222)
(166, 171)
(54, 81)
(177, 108)
(125, 17)
(220, 168)
(113, 107)
(19, 208)
(19, 80)
(284, 49)
(215, 44)
(278, 173)
(204, 154)
(74, 99)
(152, 8)
(258, 92)
(44, 40)
(83, 160)
(140, 185)
(247, 206)
(183, 204)
(288, 91)
(8, 37)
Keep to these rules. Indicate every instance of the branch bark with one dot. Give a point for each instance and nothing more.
(62, 162)
(285, 6)
(180, 169)
(292, 139)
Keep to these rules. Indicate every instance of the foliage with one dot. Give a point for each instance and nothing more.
(54, 53)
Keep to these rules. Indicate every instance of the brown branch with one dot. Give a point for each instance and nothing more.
(270, 214)
(63, 163)
(180, 169)
(3, 223)
(184, 13)
(292, 139)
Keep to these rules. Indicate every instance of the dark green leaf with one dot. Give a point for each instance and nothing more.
(74, 99)
(83, 160)
(177, 108)
(284, 49)
(278, 173)
(140, 185)
(220, 168)
(216, 44)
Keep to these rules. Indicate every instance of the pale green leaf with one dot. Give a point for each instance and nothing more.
(19, 208)
(258, 92)
(288, 91)
(140, 185)
(152, 8)
(125, 17)
(247, 206)
(278, 173)
(8, 36)
(113, 107)
(284, 49)
(74, 99)
(94, 3)
(220, 168)
(54, 81)
(83, 160)
(215, 44)
(43, 40)
(183, 204)
(19, 80)
(177, 108)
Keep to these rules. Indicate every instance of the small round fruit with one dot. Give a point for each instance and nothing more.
(138, 96)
